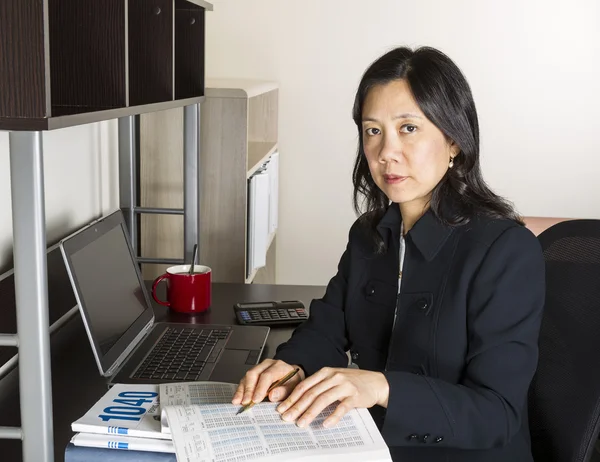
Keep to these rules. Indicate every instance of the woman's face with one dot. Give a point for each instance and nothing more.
(407, 154)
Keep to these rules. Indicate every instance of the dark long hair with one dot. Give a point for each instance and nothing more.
(443, 94)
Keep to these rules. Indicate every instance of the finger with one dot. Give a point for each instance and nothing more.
(340, 410)
(338, 393)
(304, 386)
(307, 399)
(251, 378)
(274, 373)
(239, 393)
(282, 392)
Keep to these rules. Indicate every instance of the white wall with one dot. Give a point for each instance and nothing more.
(534, 67)
(80, 168)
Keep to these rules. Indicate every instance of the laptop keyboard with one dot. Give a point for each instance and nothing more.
(182, 354)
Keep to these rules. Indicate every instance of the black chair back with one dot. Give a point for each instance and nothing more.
(564, 398)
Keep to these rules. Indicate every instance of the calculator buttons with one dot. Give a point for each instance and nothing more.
(245, 315)
(301, 312)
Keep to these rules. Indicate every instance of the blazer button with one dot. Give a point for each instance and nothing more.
(439, 439)
(425, 437)
(423, 305)
(354, 355)
(412, 437)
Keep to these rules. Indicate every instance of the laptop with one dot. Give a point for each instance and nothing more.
(128, 345)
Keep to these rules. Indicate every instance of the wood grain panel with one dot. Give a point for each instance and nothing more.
(20, 123)
(150, 51)
(189, 51)
(223, 188)
(87, 53)
(262, 117)
(161, 185)
(22, 75)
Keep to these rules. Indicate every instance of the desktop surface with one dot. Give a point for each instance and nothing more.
(76, 382)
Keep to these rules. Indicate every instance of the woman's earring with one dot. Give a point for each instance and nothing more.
(451, 164)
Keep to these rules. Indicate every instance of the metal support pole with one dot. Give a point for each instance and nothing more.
(9, 340)
(31, 290)
(11, 433)
(128, 156)
(191, 179)
(166, 261)
(158, 211)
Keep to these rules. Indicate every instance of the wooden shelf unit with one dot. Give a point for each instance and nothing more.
(239, 120)
(73, 62)
(70, 62)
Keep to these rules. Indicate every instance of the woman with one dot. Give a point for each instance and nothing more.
(438, 297)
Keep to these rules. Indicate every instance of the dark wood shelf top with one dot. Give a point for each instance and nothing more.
(72, 116)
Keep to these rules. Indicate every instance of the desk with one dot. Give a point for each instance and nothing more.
(76, 383)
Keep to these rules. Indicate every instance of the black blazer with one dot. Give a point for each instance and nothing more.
(461, 355)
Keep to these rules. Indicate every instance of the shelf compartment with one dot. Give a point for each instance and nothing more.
(87, 55)
(258, 153)
(150, 31)
(262, 116)
(189, 50)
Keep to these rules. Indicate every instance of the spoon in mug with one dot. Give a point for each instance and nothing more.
(193, 259)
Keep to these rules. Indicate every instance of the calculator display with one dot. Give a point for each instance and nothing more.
(256, 305)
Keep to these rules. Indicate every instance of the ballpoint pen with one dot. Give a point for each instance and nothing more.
(274, 385)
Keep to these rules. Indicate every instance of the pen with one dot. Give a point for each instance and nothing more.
(274, 385)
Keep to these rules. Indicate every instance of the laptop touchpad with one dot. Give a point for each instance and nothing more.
(233, 356)
(247, 338)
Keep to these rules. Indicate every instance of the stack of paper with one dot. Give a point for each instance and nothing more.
(126, 417)
(199, 424)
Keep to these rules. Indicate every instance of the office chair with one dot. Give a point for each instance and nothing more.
(564, 398)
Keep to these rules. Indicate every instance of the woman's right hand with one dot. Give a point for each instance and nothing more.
(256, 382)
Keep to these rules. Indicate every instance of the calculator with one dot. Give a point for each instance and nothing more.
(270, 313)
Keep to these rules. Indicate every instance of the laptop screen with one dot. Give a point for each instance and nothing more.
(108, 287)
(109, 284)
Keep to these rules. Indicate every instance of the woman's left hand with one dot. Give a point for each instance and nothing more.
(352, 387)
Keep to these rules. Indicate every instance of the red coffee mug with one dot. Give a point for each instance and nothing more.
(186, 293)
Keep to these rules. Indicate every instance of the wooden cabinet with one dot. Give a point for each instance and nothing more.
(239, 120)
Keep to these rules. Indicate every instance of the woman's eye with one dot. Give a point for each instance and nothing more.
(408, 128)
(372, 131)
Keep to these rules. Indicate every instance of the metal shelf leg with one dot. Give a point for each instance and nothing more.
(31, 288)
(128, 174)
(191, 179)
